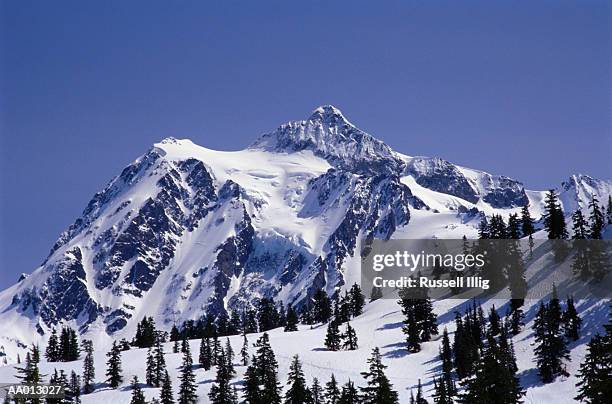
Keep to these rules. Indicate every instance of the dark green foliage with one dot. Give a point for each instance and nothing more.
(52, 353)
(205, 356)
(550, 350)
(514, 227)
(333, 337)
(357, 300)
(292, 319)
(378, 389)
(332, 392)
(349, 338)
(261, 377)
(113, 366)
(494, 322)
(297, 391)
(145, 333)
(74, 389)
(596, 218)
(349, 394)
(527, 226)
(420, 321)
(30, 374)
(68, 348)
(316, 392)
(89, 370)
(494, 380)
(267, 315)
(441, 394)
(249, 321)
(137, 394)
(221, 392)
(166, 396)
(554, 220)
(579, 226)
(244, 352)
(375, 294)
(609, 210)
(187, 386)
(446, 357)
(571, 321)
(321, 309)
(419, 397)
(595, 374)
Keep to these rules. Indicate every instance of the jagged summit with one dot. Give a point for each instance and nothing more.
(328, 134)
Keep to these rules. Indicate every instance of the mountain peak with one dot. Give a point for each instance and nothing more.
(328, 134)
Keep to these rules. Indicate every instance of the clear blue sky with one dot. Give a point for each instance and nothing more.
(521, 88)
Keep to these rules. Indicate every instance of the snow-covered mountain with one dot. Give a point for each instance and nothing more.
(185, 230)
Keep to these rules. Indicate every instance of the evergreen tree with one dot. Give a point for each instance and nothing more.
(244, 352)
(378, 390)
(187, 386)
(419, 397)
(30, 374)
(75, 387)
(150, 368)
(52, 352)
(596, 218)
(229, 358)
(441, 395)
(249, 321)
(554, 219)
(494, 322)
(446, 357)
(579, 226)
(483, 229)
(261, 377)
(465, 347)
(215, 350)
(221, 391)
(137, 394)
(89, 370)
(350, 338)
(357, 300)
(267, 315)
(609, 210)
(550, 350)
(420, 321)
(234, 326)
(166, 396)
(571, 321)
(145, 333)
(316, 392)
(494, 380)
(297, 391)
(349, 394)
(595, 373)
(175, 346)
(514, 227)
(113, 370)
(375, 293)
(321, 310)
(527, 226)
(332, 393)
(332, 337)
(160, 362)
(292, 319)
(205, 356)
(174, 334)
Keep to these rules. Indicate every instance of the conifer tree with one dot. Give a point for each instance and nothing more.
(571, 321)
(187, 386)
(332, 392)
(349, 338)
(30, 373)
(52, 352)
(297, 390)
(249, 321)
(595, 373)
(332, 337)
(483, 229)
(113, 370)
(554, 219)
(229, 358)
(609, 210)
(550, 350)
(446, 357)
(215, 350)
(349, 394)
(494, 380)
(261, 377)
(579, 226)
(175, 346)
(221, 391)
(527, 226)
(89, 370)
(465, 347)
(292, 319)
(267, 315)
(137, 394)
(321, 310)
(596, 218)
(205, 355)
(160, 362)
(516, 320)
(419, 397)
(244, 352)
(378, 390)
(75, 387)
(166, 396)
(514, 227)
(441, 395)
(357, 300)
(316, 392)
(494, 322)
(150, 368)
(375, 293)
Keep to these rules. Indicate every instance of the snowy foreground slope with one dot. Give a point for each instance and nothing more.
(184, 231)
